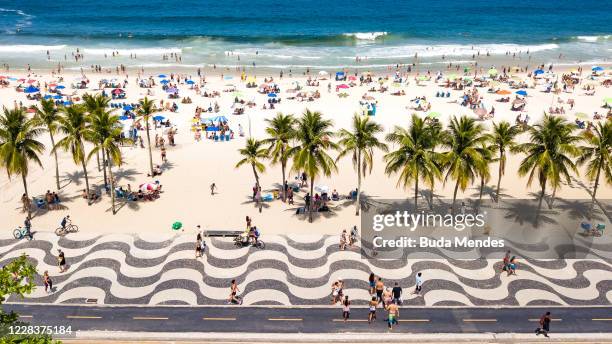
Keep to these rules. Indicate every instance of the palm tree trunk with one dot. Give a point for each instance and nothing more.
(431, 195)
(542, 194)
(98, 160)
(499, 175)
(552, 198)
(112, 186)
(593, 200)
(311, 199)
(25, 189)
(358, 204)
(149, 143)
(454, 197)
(283, 183)
(104, 168)
(416, 191)
(56, 164)
(257, 191)
(482, 183)
(86, 181)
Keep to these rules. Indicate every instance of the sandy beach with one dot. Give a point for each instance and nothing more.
(192, 166)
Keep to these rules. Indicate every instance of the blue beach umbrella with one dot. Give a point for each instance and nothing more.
(161, 76)
(127, 107)
(538, 72)
(158, 118)
(597, 69)
(124, 117)
(48, 96)
(522, 93)
(60, 87)
(272, 95)
(165, 81)
(190, 82)
(57, 96)
(31, 89)
(67, 102)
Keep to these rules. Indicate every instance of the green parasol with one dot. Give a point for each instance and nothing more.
(177, 225)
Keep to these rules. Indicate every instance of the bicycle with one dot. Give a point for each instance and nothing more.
(70, 228)
(21, 232)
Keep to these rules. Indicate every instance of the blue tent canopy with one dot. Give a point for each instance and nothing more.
(522, 93)
(214, 119)
(31, 89)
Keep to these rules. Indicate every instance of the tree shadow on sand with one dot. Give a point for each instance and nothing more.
(75, 177)
(525, 211)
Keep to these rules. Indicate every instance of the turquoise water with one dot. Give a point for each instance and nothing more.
(302, 33)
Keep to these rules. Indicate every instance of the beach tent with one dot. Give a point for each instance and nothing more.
(521, 93)
(31, 89)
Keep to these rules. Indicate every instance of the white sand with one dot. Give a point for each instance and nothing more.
(194, 166)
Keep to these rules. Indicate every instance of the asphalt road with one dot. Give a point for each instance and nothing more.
(311, 320)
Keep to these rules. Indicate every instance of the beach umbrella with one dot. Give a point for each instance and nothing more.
(60, 87)
(492, 71)
(161, 76)
(148, 186)
(343, 86)
(124, 117)
(272, 95)
(127, 107)
(190, 82)
(171, 90)
(581, 115)
(352, 78)
(52, 85)
(31, 89)
(31, 81)
(48, 96)
(323, 73)
(503, 92)
(159, 118)
(177, 225)
(67, 102)
(597, 69)
(538, 72)
(321, 188)
(433, 114)
(521, 93)
(165, 81)
(57, 96)
(117, 91)
(422, 77)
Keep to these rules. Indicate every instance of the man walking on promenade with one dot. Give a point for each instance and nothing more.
(544, 325)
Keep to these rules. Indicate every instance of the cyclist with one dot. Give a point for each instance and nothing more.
(65, 222)
(254, 235)
(28, 225)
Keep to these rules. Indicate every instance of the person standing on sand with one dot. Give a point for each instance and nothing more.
(213, 187)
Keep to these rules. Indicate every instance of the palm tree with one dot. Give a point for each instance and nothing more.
(484, 172)
(360, 143)
(436, 138)
(502, 139)
(597, 154)
(106, 134)
(96, 104)
(18, 145)
(280, 132)
(548, 155)
(47, 115)
(146, 109)
(74, 124)
(463, 160)
(414, 159)
(314, 136)
(252, 153)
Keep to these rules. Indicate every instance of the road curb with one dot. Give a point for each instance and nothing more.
(342, 337)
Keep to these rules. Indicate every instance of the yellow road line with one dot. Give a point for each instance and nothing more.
(479, 320)
(82, 317)
(413, 320)
(219, 318)
(602, 319)
(556, 319)
(285, 319)
(149, 318)
(350, 320)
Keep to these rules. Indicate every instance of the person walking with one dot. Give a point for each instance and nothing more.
(213, 187)
(393, 310)
(61, 261)
(544, 325)
(346, 308)
(397, 294)
(372, 314)
(372, 283)
(28, 227)
(233, 297)
(198, 248)
(48, 283)
(380, 287)
(418, 283)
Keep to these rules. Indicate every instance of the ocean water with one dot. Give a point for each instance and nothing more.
(300, 33)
